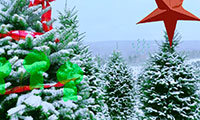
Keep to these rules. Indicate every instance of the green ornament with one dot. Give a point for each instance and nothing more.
(36, 63)
(5, 69)
(70, 75)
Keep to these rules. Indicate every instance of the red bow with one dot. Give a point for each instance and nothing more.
(46, 17)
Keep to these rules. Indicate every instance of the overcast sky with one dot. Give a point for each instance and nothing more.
(104, 20)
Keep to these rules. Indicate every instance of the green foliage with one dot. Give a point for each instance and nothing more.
(6, 104)
(168, 86)
(119, 88)
(14, 12)
(69, 19)
(17, 16)
(165, 46)
(90, 105)
(36, 113)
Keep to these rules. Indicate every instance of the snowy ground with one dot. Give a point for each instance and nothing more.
(193, 60)
(136, 70)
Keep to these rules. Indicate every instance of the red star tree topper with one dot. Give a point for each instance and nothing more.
(169, 11)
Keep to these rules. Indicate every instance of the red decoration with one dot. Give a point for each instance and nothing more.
(57, 40)
(19, 34)
(169, 11)
(46, 17)
(21, 89)
(37, 2)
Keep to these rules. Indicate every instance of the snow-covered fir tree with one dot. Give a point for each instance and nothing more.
(91, 105)
(168, 85)
(47, 103)
(119, 88)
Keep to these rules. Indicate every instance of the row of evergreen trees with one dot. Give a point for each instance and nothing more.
(165, 89)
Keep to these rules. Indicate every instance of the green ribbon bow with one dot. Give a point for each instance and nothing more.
(5, 69)
(70, 75)
(36, 63)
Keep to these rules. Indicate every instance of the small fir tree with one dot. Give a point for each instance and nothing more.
(119, 88)
(168, 86)
(90, 105)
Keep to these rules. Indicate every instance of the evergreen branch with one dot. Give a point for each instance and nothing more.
(55, 57)
(12, 7)
(13, 60)
(44, 49)
(31, 10)
(37, 14)
(5, 40)
(4, 15)
(44, 11)
(42, 38)
(51, 22)
(17, 52)
(4, 3)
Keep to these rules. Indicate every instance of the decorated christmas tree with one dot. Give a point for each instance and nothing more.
(119, 88)
(45, 66)
(168, 85)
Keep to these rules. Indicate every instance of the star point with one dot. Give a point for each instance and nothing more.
(169, 11)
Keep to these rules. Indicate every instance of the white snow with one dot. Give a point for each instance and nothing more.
(48, 107)
(28, 118)
(10, 52)
(16, 109)
(8, 84)
(2, 51)
(72, 44)
(44, 47)
(21, 70)
(34, 101)
(192, 60)
(22, 41)
(13, 60)
(136, 70)
(11, 96)
(53, 117)
(69, 104)
(45, 74)
(14, 46)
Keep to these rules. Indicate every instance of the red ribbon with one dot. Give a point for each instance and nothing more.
(21, 89)
(21, 34)
(46, 17)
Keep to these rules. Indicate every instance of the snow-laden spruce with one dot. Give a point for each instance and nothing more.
(119, 84)
(47, 104)
(168, 86)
